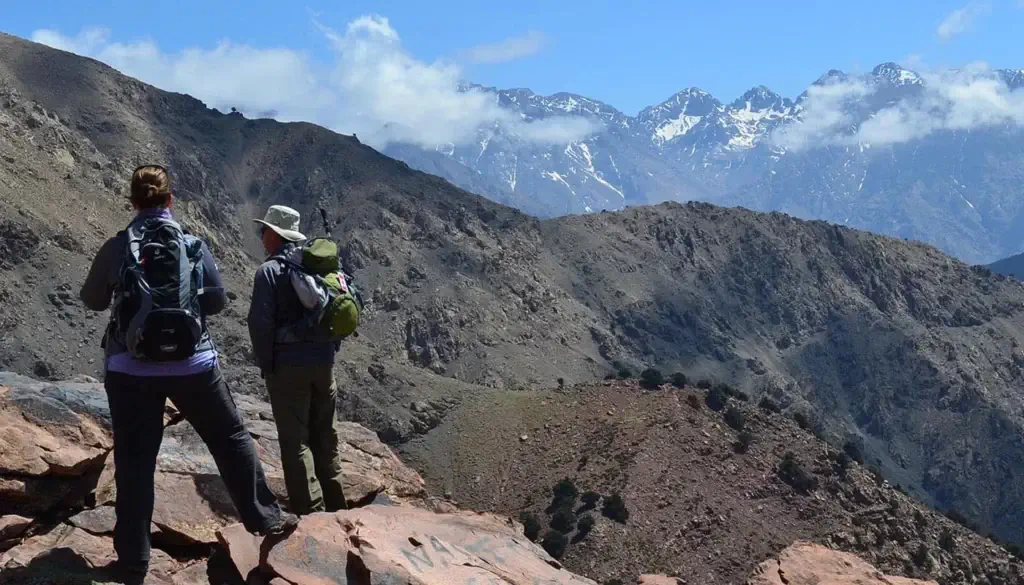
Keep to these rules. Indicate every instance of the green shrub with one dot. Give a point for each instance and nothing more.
(716, 399)
(679, 380)
(651, 378)
(585, 525)
(555, 543)
(801, 420)
(854, 450)
(590, 500)
(563, 520)
(610, 376)
(791, 472)
(561, 382)
(704, 384)
(768, 405)
(693, 401)
(842, 463)
(565, 490)
(743, 442)
(921, 557)
(946, 540)
(624, 374)
(531, 525)
(615, 509)
(735, 419)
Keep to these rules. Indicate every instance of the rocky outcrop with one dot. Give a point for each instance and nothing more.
(401, 545)
(804, 563)
(55, 454)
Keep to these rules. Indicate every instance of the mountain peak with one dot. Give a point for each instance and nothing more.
(896, 74)
(832, 76)
(760, 98)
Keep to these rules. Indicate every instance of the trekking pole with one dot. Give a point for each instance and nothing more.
(327, 223)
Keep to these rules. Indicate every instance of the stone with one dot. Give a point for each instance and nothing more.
(804, 563)
(656, 580)
(71, 556)
(402, 545)
(13, 526)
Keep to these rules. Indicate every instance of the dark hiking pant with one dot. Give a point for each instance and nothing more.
(137, 416)
(304, 399)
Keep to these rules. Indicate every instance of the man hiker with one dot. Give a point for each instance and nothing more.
(297, 366)
(164, 283)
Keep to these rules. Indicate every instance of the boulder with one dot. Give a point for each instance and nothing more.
(396, 544)
(56, 451)
(55, 435)
(804, 563)
(70, 555)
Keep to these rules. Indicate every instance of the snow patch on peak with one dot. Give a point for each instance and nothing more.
(896, 74)
(674, 128)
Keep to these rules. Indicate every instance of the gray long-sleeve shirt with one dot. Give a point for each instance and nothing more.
(275, 306)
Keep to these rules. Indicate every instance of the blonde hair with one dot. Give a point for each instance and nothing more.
(151, 187)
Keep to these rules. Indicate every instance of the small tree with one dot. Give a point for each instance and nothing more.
(921, 557)
(651, 378)
(615, 509)
(563, 520)
(946, 540)
(743, 442)
(793, 474)
(679, 380)
(735, 419)
(590, 500)
(561, 382)
(768, 405)
(801, 420)
(554, 544)
(565, 490)
(854, 450)
(704, 384)
(585, 525)
(531, 525)
(716, 399)
(625, 374)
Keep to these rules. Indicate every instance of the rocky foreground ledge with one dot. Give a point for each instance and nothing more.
(56, 513)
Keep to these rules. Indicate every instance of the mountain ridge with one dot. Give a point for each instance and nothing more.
(756, 152)
(894, 342)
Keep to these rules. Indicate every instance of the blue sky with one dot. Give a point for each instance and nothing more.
(629, 55)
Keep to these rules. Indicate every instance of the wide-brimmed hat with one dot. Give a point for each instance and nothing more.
(284, 221)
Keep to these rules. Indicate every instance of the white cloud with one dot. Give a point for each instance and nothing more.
(372, 87)
(961, 19)
(509, 49)
(825, 113)
(971, 98)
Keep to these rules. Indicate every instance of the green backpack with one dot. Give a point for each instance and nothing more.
(340, 315)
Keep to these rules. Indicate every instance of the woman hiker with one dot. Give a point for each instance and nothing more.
(164, 283)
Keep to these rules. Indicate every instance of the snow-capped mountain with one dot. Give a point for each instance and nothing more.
(852, 149)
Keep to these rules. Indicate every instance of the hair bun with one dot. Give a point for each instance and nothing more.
(152, 191)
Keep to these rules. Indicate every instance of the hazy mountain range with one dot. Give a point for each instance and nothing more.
(934, 157)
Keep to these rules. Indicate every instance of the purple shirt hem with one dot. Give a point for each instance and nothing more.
(124, 363)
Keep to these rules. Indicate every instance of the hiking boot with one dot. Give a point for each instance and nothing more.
(127, 573)
(277, 533)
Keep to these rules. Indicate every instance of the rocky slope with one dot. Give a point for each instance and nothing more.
(56, 520)
(953, 188)
(700, 508)
(915, 352)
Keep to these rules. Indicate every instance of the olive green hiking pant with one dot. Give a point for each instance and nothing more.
(303, 399)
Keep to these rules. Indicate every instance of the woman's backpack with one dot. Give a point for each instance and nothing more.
(157, 313)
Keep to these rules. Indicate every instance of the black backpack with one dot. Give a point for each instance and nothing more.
(158, 316)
